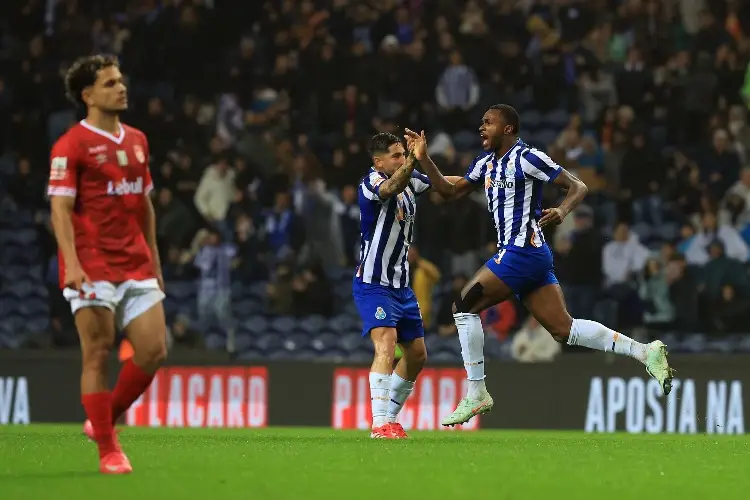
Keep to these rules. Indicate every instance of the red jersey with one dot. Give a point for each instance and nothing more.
(109, 177)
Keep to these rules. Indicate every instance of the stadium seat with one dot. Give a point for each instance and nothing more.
(257, 291)
(305, 355)
(445, 357)
(21, 289)
(321, 343)
(251, 354)
(352, 341)
(531, 119)
(341, 324)
(722, 345)
(215, 341)
(297, 341)
(23, 238)
(283, 324)
(644, 232)
(669, 231)
(359, 357)
(255, 325)
(544, 138)
(312, 324)
(744, 343)
(270, 342)
(242, 342)
(557, 119)
(695, 342)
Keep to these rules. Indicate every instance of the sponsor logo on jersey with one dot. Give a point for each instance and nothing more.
(102, 148)
(139, 154)
(499, 183)
(58, 168)
(122, 158)
(125, 187)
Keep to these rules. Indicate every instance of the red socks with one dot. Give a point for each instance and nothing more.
(131, 383)
(98, 408)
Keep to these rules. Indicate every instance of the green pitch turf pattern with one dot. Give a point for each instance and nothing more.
(56, 462)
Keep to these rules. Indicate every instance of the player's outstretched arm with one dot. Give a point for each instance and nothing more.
(577, 191)
(398, 181)
(450, 188)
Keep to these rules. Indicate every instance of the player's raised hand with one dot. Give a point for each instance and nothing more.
(551, 217)
(417, 143)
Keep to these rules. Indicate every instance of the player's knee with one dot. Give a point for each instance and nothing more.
(469, 298)
(560, 330)
(155, 354)
(96, 354)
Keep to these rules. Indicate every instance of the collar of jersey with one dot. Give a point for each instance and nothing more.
(372, 169)
(518, 141)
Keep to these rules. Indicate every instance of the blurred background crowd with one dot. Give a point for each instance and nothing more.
(258, 115)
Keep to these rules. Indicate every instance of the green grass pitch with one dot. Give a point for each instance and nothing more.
(56, 462)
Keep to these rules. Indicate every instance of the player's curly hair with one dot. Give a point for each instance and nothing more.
(380, 143)
(509, 114)
(83, 72)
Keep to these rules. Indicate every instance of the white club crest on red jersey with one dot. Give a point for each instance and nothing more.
(125, 187)
(139, 154)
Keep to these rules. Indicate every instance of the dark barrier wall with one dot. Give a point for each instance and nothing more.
(583, 392)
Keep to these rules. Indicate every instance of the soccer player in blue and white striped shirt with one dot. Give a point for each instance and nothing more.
(389, 310)
(513, 174)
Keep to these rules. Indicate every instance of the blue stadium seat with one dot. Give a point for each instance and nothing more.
(644, 231)
(270, 342)
(341, 324)
(359, 357)
(23, 237)
(669, 231)
(8, 305)
(284, 324)
(531, 119)
(305, 355)
(257, 291)
(255, 325)
(297, 341)
(215, 341)
(744, 344)
(242, 342)
(40, 291)
(279, 355)
(352, 341)
(312, 324)
(445, 357)
(21, 289)
(38, 325)
(695, 342)
(543, 138)
(725, 345)
(557, 119)
(321, 343)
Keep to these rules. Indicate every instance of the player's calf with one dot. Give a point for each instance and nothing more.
(147, 333)
(402, 381)
(384, 342)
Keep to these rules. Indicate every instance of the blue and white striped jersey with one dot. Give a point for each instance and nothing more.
(513, 185)
(387, 227)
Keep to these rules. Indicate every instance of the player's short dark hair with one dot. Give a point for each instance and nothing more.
(510, 115)
(381, 143)
(83, 72)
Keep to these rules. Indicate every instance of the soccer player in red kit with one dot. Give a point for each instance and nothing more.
(109, 263)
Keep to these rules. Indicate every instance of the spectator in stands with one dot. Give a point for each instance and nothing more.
(281, 226)
(348, 211)
(215, 193)
(424, 276)
(26, 188)
(684, 294)
(722, 270)
(654, 292)
(312, 292)
(720, 165)
(732, 243)
(250, 260)
(533, 344)
(729, 313)
(457, 93)
(446, 327)
(175, 221)
(279, 290)
(578, 262)
(624, 257)
(214, 260)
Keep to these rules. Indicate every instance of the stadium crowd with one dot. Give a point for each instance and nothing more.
(258, 115)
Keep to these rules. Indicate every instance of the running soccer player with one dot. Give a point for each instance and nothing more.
(109, 263)
(389, 310)
(513, 175)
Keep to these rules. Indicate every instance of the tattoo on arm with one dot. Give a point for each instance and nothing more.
(398, 181)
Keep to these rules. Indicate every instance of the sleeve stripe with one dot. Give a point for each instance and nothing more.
(61, 191)
(149, 188)
(368, 193)
(549, 168)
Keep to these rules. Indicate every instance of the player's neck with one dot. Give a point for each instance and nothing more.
(107, 122)
(508, 143)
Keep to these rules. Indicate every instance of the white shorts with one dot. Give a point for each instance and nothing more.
(127, 300)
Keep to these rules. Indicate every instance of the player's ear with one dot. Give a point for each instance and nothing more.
(508, 130)
(87, 95)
